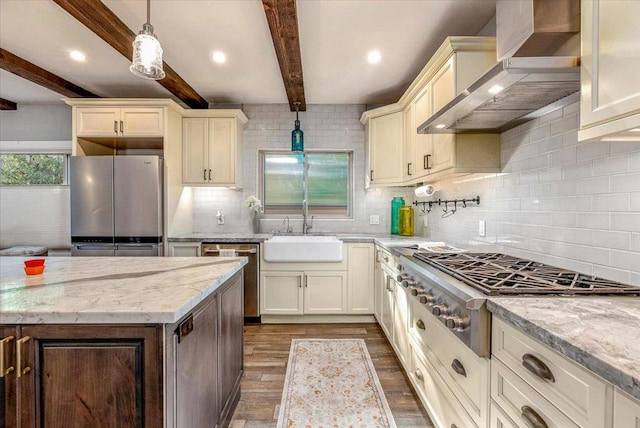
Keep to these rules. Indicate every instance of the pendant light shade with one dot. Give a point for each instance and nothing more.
(147, 52)
(297, 136)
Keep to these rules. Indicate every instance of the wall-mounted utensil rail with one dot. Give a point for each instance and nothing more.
(428, 205)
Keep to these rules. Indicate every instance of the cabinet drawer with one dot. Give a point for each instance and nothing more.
(626, 410)
(499, 418)
(464, 371)
(574, 390)
(518, 400)
(441, 403)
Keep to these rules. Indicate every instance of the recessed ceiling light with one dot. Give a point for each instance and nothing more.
(495, 89)
(441, 125)
(219, 57)
(77, 56)
(374, 57)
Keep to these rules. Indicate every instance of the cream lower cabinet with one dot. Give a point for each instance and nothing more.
(303, 292)
(361, 278)
(119, 122)
(610, 60)
(184, 249)
(626, 410)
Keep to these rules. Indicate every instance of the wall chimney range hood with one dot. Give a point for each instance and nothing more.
(538, 70)
(516, 90)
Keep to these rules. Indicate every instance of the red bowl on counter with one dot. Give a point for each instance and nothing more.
(34, 263)
(34, 270)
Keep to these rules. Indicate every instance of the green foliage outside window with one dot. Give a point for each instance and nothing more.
(31, 169)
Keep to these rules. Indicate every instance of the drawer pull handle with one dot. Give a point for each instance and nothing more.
(419, 375)
(533, 418)
(115, 126)
(537, 367)
(457, 367)
(20, 370)
(420, 324)
(3, 352)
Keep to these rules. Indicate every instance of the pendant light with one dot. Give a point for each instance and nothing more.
(297, 136)
(147, 52)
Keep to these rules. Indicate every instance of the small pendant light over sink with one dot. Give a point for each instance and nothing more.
(147, 52)
(297, 136)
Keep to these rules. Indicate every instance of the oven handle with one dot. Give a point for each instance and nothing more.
(239, 252)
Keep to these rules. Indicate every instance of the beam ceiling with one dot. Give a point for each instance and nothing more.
(105, 24)
(27, 70)
(7, 105)
(283, 24)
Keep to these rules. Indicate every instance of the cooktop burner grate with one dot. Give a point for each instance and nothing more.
(499, 274)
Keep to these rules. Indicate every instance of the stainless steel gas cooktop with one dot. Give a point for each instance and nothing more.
(499, 274)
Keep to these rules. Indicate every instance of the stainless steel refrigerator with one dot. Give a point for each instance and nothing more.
(116, 205)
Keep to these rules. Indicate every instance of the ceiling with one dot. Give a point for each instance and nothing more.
(335, 37)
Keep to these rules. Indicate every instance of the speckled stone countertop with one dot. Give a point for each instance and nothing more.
(238, 238)
(110, 290)
(599, 333)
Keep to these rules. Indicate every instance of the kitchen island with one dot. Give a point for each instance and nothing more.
(127, 342)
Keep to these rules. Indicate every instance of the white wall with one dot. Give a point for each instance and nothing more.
(557, 201)
(36, 122)
(325, 127)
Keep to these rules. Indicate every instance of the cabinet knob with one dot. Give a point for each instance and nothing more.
(420, 324)
(457, 367)
(19, 357)
(419, 375)
(533, 418)
(537, 367)
(4, 370)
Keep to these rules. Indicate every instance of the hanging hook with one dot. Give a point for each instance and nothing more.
(455, 206)
(446, 203)
(464, 203)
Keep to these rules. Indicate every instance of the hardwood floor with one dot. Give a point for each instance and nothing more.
(266, 352)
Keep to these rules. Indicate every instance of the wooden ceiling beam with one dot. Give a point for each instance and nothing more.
(283, 24)
(98, 18)
(7, 105)
(27, 70)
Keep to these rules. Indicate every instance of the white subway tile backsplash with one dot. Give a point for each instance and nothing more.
(612, 239)
(626, 182)
(626, 221)
(611, 165)
(629, 260)
(589, 220)
(611, 202)
(592, 150)
(590, 186)
(578, 170)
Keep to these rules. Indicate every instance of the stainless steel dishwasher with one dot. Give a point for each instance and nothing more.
(251, 280)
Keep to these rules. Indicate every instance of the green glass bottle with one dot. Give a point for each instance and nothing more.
(297, 138)
(396, 203)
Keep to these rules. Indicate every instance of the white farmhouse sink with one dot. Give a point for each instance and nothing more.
(307, 248)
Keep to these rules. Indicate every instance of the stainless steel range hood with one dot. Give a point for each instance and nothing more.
(514, 91)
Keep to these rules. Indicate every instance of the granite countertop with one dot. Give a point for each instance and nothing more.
(110, 290)
(386, 240)
(599, 333)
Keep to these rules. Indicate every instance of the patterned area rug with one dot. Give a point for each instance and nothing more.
(332, 383)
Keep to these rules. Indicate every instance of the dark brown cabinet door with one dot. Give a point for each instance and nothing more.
(91, 375)
(231, 340)
(8, 393)
(196, 369)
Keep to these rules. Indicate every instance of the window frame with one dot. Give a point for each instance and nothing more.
(62, 148)
(350, 191)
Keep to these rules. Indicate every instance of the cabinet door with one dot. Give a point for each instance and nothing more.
(184, 249)
(325, 292)
(142, 121)
(231, 352)
(196, 370)
(423, 143)
(379, 289)
(626, 410)
(443, 85)
(222, 150)
(388, 304)
(281, 293)
(84, 375)
(8, 392)
(409, 166)
(609, 64)
(97, 121)
(400, 320)
(360, 281)
(195, 146)
(386, 141)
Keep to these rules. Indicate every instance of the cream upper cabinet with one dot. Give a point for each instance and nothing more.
(422, 143)
(610, 82)
(385, 140)
(211, 151)
(409, 169)
(120, 122)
